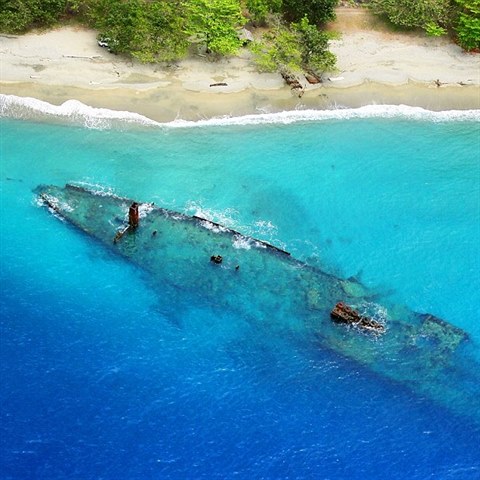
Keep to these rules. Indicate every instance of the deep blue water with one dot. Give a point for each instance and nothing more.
(105, 374)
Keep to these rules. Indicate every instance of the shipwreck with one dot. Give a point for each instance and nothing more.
(220, 266)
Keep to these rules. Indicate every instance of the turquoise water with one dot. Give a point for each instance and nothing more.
(107, 373)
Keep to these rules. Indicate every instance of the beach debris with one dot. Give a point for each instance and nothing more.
(85, 57)
(342, 313)
(216, 259)
(336, 79)
(312, 78)
(108, 43)
(245, 36)
(219, 84)
(293, 82)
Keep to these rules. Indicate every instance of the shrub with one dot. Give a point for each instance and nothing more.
(17, 16)
(468, 24)
(260, 9)
(317, 11)
(147, 30)
(434, 16)
(292, 49)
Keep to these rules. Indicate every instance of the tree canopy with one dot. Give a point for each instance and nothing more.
(436, 17)
(215, 23)
(294, 48)
(424, 14)
(317, 11)
(164, 30)
(149, 30)
(467, 24)
(19, 15)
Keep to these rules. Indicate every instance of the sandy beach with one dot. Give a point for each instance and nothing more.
(374, 66)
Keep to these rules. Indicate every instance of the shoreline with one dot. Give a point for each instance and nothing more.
(195, 106)
(374, 67)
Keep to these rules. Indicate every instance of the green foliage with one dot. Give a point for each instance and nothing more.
(436, 17)
(148, 30)
(16, 16)
(468, 24)
(279, 50)
(314, 43)
(215, 23)
(291, 49)
(317, 11)
(431, 15)
(260, 9)
(434, 30)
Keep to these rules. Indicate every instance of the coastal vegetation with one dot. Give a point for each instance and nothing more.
(295, 47)
(292, 37)
(165, 30)
(461, 18)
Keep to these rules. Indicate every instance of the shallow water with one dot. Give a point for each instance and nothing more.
(107, 373)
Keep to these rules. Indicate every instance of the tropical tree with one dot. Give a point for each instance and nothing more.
(299, 47)
(468, 24)
(260, 9)
(17, 16)
(214, 23)
(316, 57)
(279, 50)
(434, 16)
(149, 30)
(317, 11)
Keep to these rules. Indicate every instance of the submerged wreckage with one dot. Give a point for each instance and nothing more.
(206, 262)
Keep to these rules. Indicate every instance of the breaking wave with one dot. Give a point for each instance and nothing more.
(71, 111)
(77, 113)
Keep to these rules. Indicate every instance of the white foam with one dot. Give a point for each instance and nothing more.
(212, 226)
(78, 113)
(144, 209)
(266, 228)
(242, 243)
(72, 110)
(224, 217)
(96, 189)
(368, 111)
(375, 311)
(53, 204)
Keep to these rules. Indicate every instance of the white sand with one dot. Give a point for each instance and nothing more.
(382, 67)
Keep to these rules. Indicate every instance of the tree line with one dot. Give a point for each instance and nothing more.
(459, 18)
(164, 30)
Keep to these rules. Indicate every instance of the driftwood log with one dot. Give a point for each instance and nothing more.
(293, 82)
(312, 78)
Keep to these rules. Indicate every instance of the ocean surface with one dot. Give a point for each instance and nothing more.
(106, 374)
